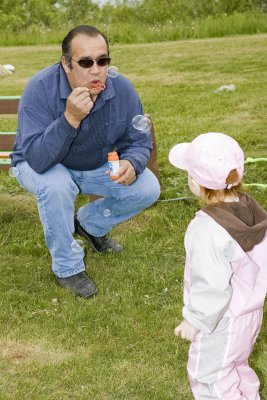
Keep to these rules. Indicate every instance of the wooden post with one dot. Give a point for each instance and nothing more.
(153, 160)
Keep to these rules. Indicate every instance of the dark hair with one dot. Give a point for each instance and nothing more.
(87, 30)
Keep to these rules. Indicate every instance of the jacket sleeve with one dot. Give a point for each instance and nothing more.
(210, 292)
(134, 145)
(45, 140)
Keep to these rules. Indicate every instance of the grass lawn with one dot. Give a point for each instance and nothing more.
(120, 345)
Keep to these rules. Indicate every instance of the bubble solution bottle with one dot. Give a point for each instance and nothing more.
(113, 164)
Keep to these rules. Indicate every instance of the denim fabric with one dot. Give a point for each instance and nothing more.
(56, 191)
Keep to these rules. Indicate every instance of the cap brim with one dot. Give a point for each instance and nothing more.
(177, 155)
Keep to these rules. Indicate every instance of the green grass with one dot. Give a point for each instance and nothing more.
(136, 28)
(120, 345)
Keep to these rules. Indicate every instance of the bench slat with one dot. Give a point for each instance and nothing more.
(5, 161)
(7, 140)
(9, 106)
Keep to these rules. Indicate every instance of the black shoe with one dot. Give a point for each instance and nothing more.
(80, 284)
(99, 244)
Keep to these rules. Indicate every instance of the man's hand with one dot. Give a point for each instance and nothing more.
(186, 331)
(126, 174)
(79, 105)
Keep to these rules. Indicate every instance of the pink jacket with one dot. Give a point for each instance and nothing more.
(221, 279)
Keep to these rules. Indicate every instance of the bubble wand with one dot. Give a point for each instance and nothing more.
(99, 85)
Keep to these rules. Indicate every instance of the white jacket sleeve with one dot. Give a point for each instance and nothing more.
(208, 246)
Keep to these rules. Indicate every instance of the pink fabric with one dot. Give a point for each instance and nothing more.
(233, 379)
(209, 158)
(218, 362)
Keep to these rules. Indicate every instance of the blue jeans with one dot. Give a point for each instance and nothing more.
(56, 191)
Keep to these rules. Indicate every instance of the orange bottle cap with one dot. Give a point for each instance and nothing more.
(113, 156)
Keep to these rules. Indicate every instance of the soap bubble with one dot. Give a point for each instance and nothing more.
(13, 172)
(141, 123)
(112, 71)
(107, 213)
(77, 246)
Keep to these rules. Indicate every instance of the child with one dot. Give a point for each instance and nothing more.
(225, 273)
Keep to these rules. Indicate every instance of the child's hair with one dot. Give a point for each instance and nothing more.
(211, 196)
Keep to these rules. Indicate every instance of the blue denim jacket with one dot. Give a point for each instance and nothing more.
(45, 138)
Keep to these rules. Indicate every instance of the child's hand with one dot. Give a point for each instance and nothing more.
(186, 331)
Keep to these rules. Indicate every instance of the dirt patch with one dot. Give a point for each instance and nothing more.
(16, 352)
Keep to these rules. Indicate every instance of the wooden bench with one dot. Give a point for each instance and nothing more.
(9, 105)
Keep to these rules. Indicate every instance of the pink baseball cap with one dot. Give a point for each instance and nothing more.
(209, 158)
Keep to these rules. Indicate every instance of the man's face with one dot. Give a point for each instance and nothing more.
(84, 47)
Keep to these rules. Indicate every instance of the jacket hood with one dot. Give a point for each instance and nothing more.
(245, 221)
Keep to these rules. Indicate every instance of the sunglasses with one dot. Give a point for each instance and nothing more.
(88, 62)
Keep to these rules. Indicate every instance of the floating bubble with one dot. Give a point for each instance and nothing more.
(77, 246)
(107, 213)
(112, 71)
(141, 123)
(13, 172)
